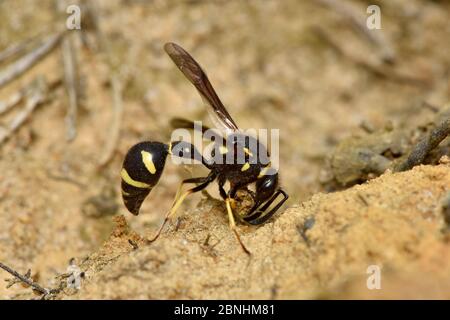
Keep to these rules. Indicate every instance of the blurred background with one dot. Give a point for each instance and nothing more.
(305, 67)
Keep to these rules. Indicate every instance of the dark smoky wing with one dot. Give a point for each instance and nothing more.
(181, 123)
(194, 73)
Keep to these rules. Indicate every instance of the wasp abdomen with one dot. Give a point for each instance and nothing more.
(141, 170)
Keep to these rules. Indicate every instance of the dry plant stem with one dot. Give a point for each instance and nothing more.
(13, 101)
(18, 97)
(71, 76)
(89, 23)
(25, 279)
(66, 179)
(377, 69)
(424, 147)
(71, 84)
(35, 96)
(14, 50)
(26, 62)
(116, 87)
(19, 48)
(114, 133)
(358, 21)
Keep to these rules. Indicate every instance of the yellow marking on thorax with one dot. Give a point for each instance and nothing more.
(125, 176)
(223, 149)
(247, 151)
(126, 194)
(245, 166)
(170, 147)
(264, 171)
(147, 158)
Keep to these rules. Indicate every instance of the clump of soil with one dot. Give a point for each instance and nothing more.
(359, 158)
(322, 248)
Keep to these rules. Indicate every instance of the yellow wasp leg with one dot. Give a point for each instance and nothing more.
(204, 182)
(233, 225)
(172, 211)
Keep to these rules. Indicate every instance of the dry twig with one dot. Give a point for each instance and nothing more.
(377, 69)
(358, 21)
(114, 132)
(16, 49)
(71, 75)
(34, 95)
(13, 101)
(425, 146)
(67, 179)
(116, 88)
(71, 83)
(26, 62)
(26, 279)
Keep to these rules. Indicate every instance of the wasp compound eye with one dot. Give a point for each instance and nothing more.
(141, 170)
(266, 187)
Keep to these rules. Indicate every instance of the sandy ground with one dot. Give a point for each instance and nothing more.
(273, 69)
(321, 248)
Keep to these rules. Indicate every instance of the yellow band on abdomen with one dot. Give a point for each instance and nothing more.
(131, 182)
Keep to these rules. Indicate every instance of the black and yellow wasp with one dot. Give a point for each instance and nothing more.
(144, 162)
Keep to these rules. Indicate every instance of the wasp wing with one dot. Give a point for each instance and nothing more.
(194, 73)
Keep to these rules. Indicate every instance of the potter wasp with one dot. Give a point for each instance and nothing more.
(236, 158)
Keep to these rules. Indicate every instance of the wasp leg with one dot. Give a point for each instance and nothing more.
(256, 213)
(198, 180)
(179, 200)
(233, 225)
(259, 217)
